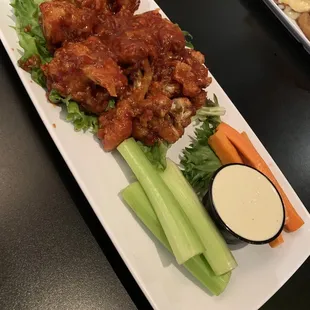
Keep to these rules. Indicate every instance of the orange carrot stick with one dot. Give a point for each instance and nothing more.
(245, 160)
(246, 148)
(245, 135)
(224, 149)
(277, 241)
(290, 211)
(280, 239)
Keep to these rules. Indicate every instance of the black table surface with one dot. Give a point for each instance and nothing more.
(54, 254)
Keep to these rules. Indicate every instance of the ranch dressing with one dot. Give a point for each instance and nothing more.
(247, 203)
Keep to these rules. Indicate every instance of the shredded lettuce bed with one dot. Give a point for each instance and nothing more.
(79, 119)
(30, 36)
(33, 43)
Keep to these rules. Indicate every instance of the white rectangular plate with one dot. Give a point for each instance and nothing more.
(290, 24)
(101, 176)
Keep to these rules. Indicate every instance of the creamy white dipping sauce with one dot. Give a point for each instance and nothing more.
(247, 203)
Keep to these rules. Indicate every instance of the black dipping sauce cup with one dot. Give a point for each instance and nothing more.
(229, 235)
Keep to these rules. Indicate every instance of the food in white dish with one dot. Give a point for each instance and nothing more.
(297, 10)
(125, 77)
(299, 6)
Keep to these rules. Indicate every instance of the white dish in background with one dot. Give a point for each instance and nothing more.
(262, 270)
(289, 23)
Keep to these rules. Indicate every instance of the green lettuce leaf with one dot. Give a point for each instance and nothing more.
(111, 105)
(31, 38)
(33, 43)
(156, 154)
(198, 161)
(79, 119)
(188, 39)
(38, 76)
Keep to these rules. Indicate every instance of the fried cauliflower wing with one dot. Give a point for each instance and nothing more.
(86, 71)
(63, 21)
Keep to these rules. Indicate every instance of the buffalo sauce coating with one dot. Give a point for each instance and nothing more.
(86, 71)
(138, 61)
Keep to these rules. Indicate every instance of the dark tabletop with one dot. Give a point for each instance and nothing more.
(54, 254)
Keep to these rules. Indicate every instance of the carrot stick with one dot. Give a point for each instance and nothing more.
(246, 148)
(290, 211)
(277, 241)
(224, 149)
(245, 160)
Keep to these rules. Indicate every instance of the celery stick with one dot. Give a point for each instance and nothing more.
(216, 250)
(137, 200)
(181, 235)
